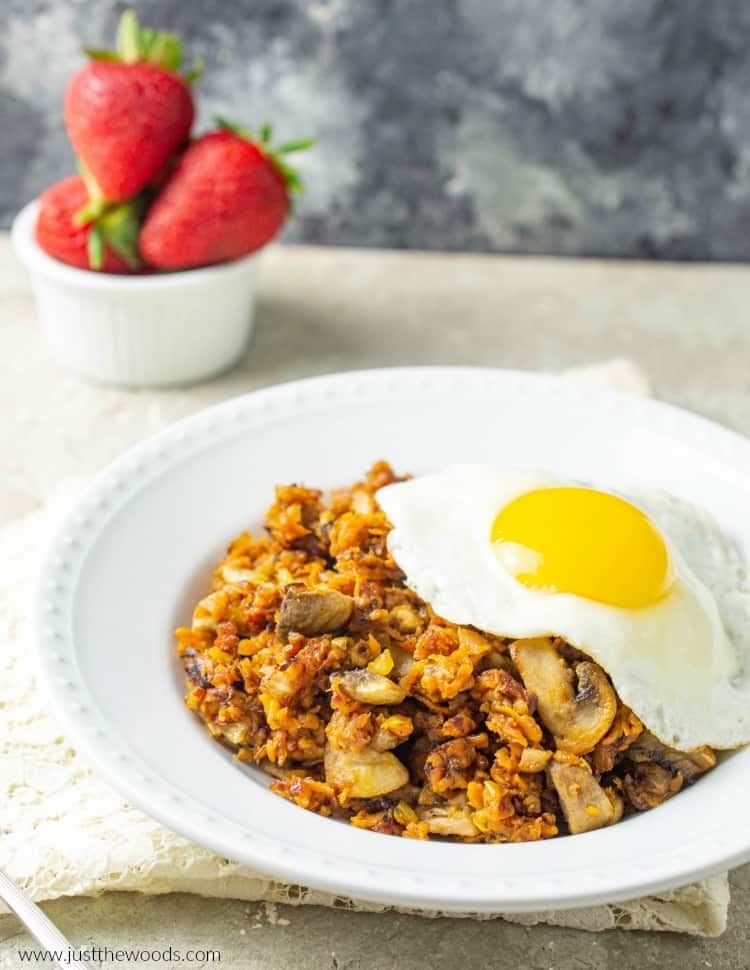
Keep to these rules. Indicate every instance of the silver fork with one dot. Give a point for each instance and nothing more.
(41, 928)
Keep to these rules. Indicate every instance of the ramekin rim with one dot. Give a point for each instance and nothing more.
(36, 260)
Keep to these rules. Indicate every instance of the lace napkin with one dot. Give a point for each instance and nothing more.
(63, 832)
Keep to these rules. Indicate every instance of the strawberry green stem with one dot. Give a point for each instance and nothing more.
(99, 54)
(128, 38)
(302, 144)
(116, 225)
(95, 247)
(120, 227)
(93, 210)
(135, 43)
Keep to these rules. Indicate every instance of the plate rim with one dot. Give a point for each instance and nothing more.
(119, 481)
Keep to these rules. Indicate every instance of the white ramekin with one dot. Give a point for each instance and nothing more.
(134, 331)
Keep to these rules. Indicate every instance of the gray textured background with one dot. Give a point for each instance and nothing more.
(540, 126)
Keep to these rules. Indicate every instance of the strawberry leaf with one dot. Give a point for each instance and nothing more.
(116, 225)
(166, 51)
(195, 71)
(120, 227)
(295, 146)
(275, 155)
(93, 210)
(235, 129)
(128, 38)
(146, 38)
(136, 43)
(99, 54)
(90, 182)
(95, 247)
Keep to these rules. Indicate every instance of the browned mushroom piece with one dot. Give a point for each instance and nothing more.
(452, 817)
(370, 688)
(584, 803)
(649, 785)
(623, 732)
(577, 718)
(366, 773)
(312, 612)
(402, 660)
(533, 760)
(689, 764)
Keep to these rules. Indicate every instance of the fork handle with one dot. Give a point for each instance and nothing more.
(38, 924)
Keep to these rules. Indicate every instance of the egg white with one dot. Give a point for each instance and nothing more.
(682, 664)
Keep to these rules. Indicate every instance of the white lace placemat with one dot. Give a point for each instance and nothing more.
(63, 832)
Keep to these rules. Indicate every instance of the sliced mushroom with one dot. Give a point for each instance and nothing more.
(364, 774)
(368, 687)
(577, 719)
(649, 785)
(402, 660)
(585, 804)
(689, 764)
(311, 612)
(533, 760)
(446, 820)
(618, 804)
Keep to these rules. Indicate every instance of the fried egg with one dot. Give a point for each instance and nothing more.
(645, 585)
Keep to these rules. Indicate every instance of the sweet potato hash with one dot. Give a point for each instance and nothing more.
(311, 658)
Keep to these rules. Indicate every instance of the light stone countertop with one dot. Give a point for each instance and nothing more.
(322, 310)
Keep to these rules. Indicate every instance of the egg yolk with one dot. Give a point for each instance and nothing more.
(581, 541)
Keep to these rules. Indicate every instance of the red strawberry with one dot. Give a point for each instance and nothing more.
(126, 113)
(108, 243)
(228, 196)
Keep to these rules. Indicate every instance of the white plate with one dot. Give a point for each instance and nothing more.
(136, 553)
